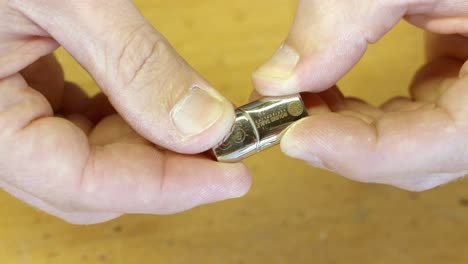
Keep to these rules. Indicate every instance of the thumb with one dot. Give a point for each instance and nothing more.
(327, 38)
(147, 82)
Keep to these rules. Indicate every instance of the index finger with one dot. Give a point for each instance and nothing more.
(147, 82)
(329, 37)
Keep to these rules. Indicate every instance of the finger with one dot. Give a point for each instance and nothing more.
(432, 80)
(401, 104)
(451, 46)
(426, 139)
(328, 37)
(349, 106)
(315, 104)
(454, 99)
(363, 117)
(359, 106)
(148, 83)
(52, 160)
(46, 76)
(113, 129)
(402, 149)
(443, 17)
(81, 122)
(82, 111)
(81, 218)
(23, 42)
(333, 98)
(164, 183)
(66, 98)
(427, 143)
(446, 54)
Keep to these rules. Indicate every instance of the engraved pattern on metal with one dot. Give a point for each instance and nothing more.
(259, 125)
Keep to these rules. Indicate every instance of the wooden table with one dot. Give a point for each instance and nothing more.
(294, 213)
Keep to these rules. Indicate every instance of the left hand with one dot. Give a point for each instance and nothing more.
(89, 160)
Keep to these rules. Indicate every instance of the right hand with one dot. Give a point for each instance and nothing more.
(414, 143)
(86, 169)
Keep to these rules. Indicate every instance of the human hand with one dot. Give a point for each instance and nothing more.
(413, 143)
(91, 164)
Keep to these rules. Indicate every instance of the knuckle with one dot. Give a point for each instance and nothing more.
(143, 54)
(30, 106)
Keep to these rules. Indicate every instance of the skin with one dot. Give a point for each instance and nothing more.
(413, 143)
(88, 160)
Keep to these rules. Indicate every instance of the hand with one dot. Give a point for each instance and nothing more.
(91, 164)
(413, 143)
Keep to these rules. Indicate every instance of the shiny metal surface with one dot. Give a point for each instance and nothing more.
(258, 126)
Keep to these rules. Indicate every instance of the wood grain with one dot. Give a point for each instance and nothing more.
(293, 214)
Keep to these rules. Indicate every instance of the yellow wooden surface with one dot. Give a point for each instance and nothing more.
(293, 214)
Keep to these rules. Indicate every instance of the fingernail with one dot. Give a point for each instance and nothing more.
(281, 65)
(198, 110)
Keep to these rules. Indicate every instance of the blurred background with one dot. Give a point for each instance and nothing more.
(294, 213)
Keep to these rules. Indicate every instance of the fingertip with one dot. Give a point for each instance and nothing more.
(267, 86)
(237, 178)
(330, 141)
(277, 75)
(192, 181)
(86, 218)
(316, 71)
(292, 142)
(319, 49)
(295, 145)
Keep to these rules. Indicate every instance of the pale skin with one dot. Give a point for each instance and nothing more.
(89, 165)
(89, 160)
(413, 143)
